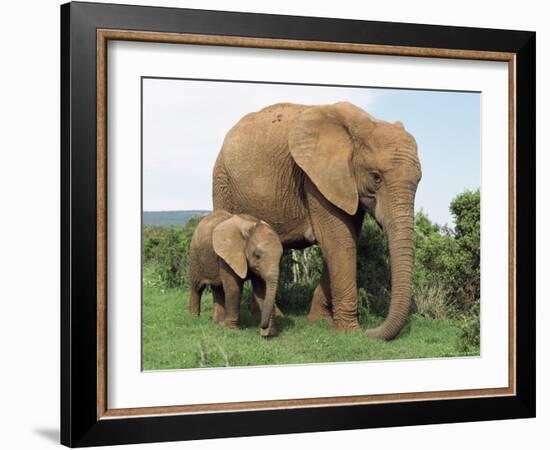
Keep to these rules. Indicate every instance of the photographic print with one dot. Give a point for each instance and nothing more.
(266, 218)
(297, 224)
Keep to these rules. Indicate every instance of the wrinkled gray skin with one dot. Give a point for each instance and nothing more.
(226, 250)
(312, 172)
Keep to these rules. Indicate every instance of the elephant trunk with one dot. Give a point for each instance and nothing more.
(269, 301)
(400, 231)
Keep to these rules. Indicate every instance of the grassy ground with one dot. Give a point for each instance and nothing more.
(172, 339)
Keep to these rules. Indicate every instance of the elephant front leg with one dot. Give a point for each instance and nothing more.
(343, 288)
(232, 289)
(336, 233)
(321, 307)
(218, 309)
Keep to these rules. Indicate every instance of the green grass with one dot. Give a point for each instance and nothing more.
(173, 339)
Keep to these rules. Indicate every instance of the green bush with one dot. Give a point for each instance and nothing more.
(447, 260)
(431, 300)
(300, 274)
(166, 255)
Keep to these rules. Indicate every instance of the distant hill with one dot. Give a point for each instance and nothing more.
(170, 218)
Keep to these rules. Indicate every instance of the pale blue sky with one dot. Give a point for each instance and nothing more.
(184, 124)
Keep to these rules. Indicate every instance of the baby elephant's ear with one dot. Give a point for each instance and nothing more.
(229, 242)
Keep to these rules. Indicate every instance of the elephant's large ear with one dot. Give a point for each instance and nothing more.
(321, 144)
(229, 242)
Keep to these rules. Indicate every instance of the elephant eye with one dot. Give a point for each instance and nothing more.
(376, 177)
(256, 254)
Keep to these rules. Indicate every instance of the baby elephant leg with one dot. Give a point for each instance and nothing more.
(218, 314)
(195, 301)
(271, 329)
(232, 289)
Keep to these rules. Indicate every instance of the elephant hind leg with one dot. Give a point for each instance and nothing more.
(321, 306)
(195, 301)
(218, 310)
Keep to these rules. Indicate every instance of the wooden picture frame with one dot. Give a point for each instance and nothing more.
(86, 418)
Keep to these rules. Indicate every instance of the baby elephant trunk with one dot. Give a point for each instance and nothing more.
(269, 300)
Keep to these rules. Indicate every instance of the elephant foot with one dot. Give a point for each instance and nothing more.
(219, 319)
(319, 312)
(347, 327)
(320, 308)
(218, 315)
(269, 332)
(194, 307)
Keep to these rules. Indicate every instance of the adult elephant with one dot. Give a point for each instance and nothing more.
(312, 172)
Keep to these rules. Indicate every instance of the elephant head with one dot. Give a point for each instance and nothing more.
(245, 243)
(355, 161)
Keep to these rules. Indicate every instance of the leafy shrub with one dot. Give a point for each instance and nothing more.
(431, 301)
(295, 298)
(449, 258)
(466, 211)
(151, 276)
(166, 254)
(301, 266)
(300, 274)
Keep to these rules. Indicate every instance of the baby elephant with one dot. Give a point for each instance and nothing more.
(227, 249)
